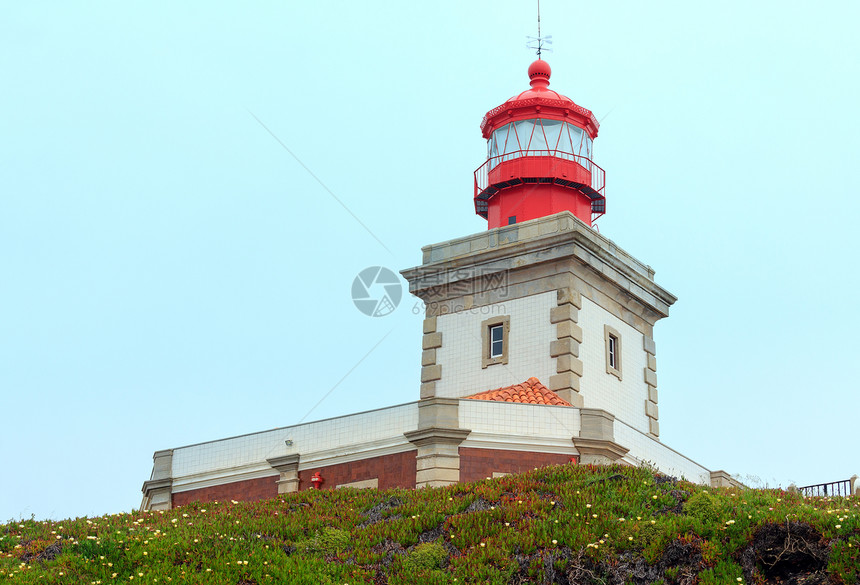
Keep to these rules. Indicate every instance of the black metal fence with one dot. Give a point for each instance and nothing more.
(834, 488)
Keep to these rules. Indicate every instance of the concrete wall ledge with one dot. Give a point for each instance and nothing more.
(427, 436)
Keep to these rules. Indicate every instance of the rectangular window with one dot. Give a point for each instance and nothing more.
(512, 220)
(613, 351)
(497, 340)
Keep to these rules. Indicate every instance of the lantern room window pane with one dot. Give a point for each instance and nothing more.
(525, 128)
(552, 131)
(575, 138)
(538, 142)
(540, 137)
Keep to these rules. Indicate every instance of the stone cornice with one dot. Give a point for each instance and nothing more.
(432, 435)
(285, 462)
(609, 449)
(156, 484)
(556, 237)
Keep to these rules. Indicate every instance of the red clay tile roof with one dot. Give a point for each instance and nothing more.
(529, 392)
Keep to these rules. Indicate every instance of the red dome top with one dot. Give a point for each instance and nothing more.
(539, 69)
(539, 102)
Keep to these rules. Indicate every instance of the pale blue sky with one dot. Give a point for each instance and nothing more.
(172, 275)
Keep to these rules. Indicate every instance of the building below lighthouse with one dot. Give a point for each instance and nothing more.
(537, 349)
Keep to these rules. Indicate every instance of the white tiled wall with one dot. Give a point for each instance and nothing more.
(347, 432)
(531, 420)
(624, 398)
(646, 449)
(528, 355)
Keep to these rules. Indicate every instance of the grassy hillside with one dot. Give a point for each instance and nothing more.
(564, 524)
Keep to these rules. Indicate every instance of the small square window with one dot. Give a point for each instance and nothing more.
(613, 351)
(512, 220)
(495, 339)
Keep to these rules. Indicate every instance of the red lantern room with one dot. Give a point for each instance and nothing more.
(539, 149)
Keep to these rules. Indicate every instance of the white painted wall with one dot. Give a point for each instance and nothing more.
(644, 449)
(624, 398)
(344, 434)
(528, 356)
(519, 420)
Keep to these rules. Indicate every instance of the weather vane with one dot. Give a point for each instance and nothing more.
(539, 43)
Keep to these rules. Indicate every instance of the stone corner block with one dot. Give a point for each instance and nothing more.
(568, 363)
(430, 325)
(563, 313)
(652, 362)
(651, 410)
(559, 347)
(649, 346)
(653, 427)
(569, 329)
(428, 357)
(437, 412)
(595, 423)
(568, 296)
(431, 340)
(572, 396)
(564, 381)
(428, 390)
(431, 373)
(650, 377)
(722, 478)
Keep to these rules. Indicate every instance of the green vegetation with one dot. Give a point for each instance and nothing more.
(563, 524)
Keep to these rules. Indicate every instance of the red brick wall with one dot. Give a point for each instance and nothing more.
(477, 464)
(397, 470)
(261, 488)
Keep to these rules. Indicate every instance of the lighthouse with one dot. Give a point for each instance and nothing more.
(540, 148)
(539, 307)
(537, 343)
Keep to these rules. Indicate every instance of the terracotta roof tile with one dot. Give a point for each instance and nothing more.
(529, 392)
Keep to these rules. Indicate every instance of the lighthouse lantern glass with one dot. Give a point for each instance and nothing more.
(540, 138)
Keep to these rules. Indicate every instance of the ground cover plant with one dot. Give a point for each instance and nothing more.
(565, 524)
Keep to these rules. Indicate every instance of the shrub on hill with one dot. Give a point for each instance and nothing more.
(563, 524)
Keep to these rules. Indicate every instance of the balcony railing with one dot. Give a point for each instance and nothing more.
(553, 166)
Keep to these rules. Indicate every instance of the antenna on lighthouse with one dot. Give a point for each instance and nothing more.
(539, 43)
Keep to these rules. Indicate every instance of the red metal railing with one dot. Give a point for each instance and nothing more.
(556, 166)
(598, 175)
